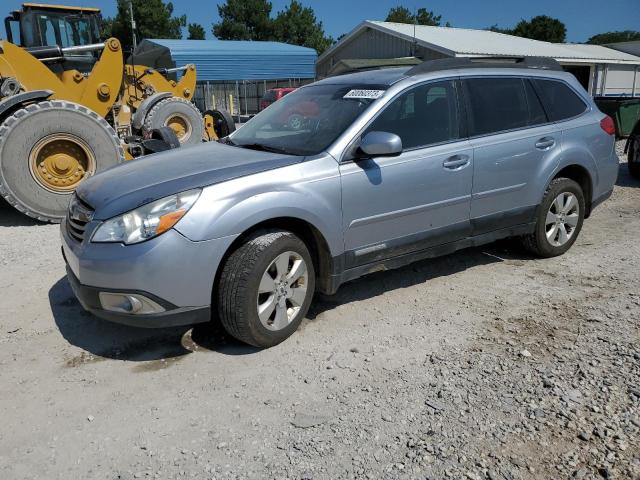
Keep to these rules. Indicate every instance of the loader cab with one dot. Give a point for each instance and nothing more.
(38, 25)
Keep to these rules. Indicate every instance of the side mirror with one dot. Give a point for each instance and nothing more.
(381, 144)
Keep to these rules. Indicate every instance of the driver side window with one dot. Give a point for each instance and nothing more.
(422, 116)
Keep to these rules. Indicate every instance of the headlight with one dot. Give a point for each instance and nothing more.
(147, 221)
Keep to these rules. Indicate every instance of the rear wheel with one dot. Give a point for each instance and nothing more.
(633, 156)
(47, 149)
(265, 288)
(559, 221)
(182, 116)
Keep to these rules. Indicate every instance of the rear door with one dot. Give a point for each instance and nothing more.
(513, 142)
(421, 198)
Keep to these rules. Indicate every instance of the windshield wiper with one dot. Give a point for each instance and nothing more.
(262, 148)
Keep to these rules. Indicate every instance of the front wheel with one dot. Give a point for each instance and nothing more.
(559, 221)
(265, 288)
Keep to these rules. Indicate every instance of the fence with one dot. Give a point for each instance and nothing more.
(240, 97)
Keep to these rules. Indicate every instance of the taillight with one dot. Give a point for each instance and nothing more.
(607, 125)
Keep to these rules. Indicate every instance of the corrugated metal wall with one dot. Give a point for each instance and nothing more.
(236, 60)
(615, 80)
(372, 43)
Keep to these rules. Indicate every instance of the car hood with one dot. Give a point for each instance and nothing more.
(138, 182)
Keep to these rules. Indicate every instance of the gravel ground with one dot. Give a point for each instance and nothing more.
(482, 364)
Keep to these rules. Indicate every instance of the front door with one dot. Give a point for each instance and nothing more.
(421, 198)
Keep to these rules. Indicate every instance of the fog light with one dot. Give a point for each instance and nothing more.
(131, 303)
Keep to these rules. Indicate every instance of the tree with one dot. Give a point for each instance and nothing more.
(196, 32)
(543, 28)
(613, 37)
(497, 29)
(400, 15)
(422, 17)
(244, 20)
(154, 19)
(298, 25)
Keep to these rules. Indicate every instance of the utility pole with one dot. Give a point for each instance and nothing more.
(133, 25)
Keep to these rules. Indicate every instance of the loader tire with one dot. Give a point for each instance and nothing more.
(47, 149)
(179, 114)
(221, 122)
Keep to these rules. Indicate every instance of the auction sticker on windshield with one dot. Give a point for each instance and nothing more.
(364, 94)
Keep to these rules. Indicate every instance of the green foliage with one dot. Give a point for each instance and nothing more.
(543, 28)
(298, 25)
(196, 32)
(422, 16)
(614, 37)
(495, 28)
(154, 19)
(244, 20)
(251, 20)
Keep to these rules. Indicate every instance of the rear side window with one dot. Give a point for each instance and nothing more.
(559, 100)
(424, 115)
(500, 104)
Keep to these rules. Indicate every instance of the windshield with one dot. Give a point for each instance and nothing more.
(65, 30)
(307, 121)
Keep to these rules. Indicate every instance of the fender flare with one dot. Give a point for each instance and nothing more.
(10, 104)
(145, 106)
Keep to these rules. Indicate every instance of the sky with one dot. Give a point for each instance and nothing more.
(583, 18)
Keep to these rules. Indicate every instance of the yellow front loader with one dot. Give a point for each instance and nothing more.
(70, 107)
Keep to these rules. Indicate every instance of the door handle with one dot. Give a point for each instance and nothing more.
(456, 162)
(545, 143)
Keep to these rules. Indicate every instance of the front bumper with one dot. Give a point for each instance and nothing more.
(170, 270)
(173, 316)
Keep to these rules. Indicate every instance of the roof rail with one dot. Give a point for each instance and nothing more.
(541, 63)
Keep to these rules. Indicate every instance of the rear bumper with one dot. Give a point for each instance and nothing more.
(601, 199)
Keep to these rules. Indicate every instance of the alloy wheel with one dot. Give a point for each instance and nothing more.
(282, 290)
(562, 219)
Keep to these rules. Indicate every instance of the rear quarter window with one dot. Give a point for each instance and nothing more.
(560, 101)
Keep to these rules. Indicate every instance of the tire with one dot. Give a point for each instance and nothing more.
(633, 157)
(221, 121)
(166, 135)
(21, 182)
(245, 271)
(179, 114)
(548, 241)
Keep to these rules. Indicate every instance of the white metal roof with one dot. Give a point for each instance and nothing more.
(466, 42)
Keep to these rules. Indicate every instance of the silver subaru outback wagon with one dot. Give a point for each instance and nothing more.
(343, 177)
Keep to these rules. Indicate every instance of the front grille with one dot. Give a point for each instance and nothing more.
(78, 216)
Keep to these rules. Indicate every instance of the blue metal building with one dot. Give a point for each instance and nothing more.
(232, 74)
(237, 60)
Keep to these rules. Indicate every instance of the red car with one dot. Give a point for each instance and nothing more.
(274, 95)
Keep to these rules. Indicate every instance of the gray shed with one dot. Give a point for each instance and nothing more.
(602, 71)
